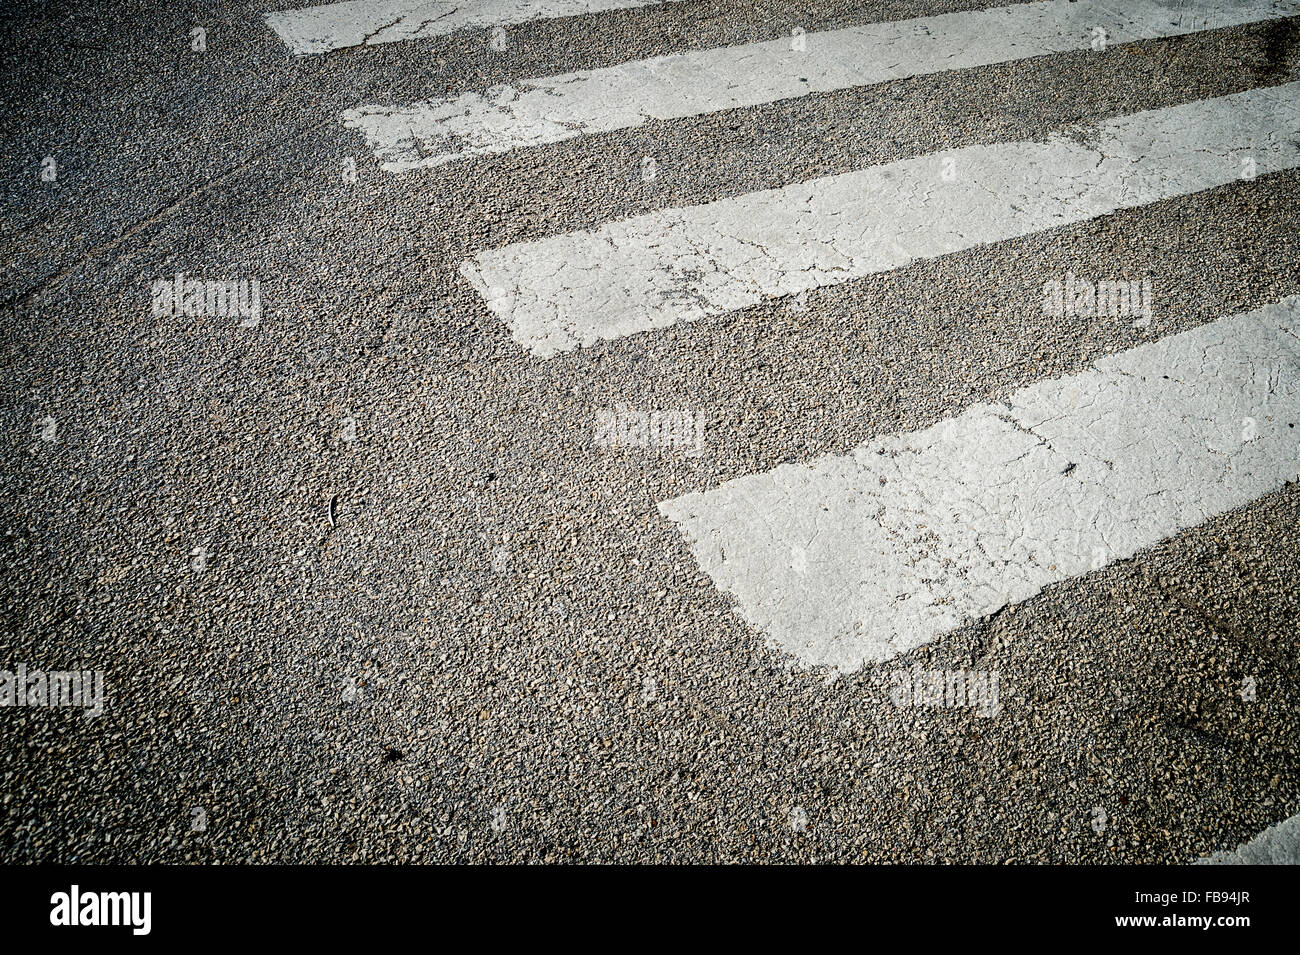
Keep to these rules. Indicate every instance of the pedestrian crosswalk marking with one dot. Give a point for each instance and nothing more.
(555, 108)
(337, 26)
(860, 557)
(652, 271)
(1276, 845)
(864, 556)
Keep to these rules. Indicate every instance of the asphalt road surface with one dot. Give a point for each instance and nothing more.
(639, 431)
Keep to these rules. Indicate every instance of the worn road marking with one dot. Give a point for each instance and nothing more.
(1276, 845)
(336, 26)
(556, 108)
(675, 265)
(860, 557)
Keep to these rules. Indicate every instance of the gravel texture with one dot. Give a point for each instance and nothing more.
(498, 650)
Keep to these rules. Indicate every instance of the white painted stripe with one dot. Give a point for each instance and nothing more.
(655, 270)
(1276, 845)
(860, 557)
(555, 108)
(336, 26)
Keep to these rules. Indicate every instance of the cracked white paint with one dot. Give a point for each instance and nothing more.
(675, 265)
(1276, 845)
(337, 26)
(860, 557)
(556, 108)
